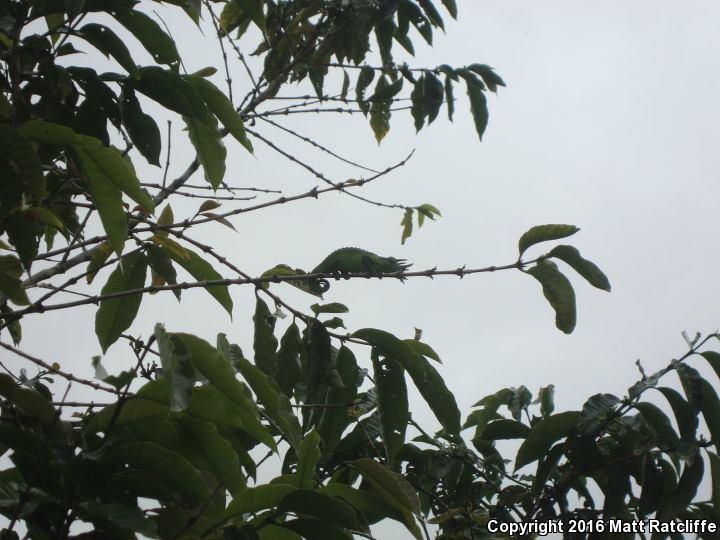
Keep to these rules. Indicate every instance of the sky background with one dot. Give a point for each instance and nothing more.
(608, 122)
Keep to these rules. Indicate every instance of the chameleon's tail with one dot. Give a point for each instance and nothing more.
(399, 265)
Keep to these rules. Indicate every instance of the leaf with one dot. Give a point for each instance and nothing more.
(546, 397)
(504, 429)
(200, 269)
(592, 274)
(407, 225)
(305, 502)
(715, 476)
(162, 266)
(491, 79)
(315, 529)
(276, 404)
(595, 411)
(208, 205)
(366, 76)
(254, 9)
(109, 44)
(115, 315)
(223, 460)
(148, 32)
(684, 416)
(167, 218)
(478, 107)
(713, 358)
(559, 293)
(335, 417)
(208, 361)
(30, 401)
(372, 507)
(449, 97)
(142, 129)
(659, 422)
(451, 7)
(544, 233)
(108, 201)
(165, 87)
(427, 380)
(265, 343)
(221, 106)
(393, 488)
(288, 360)
(308, 457)
(210, 149)
(392, 404)
(710, 408)
(170, 468)
(380, 120)
(543, 435)
(423, 349)
(687, 487)
(254, 499)
(177, 368)
(332, 307)
(10, 284)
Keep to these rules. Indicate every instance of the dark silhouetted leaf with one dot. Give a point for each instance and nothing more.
(585, 268)
(544, 434)
(559, 293)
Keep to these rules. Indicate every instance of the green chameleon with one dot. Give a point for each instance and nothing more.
(351, 260)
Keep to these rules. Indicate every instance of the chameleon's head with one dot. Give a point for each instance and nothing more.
(318, 286)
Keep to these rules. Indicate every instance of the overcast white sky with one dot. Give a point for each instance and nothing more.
(608, 122)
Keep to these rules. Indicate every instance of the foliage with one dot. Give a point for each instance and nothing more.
(175, 453)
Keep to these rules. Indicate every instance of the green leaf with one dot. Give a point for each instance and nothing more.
(254, 499)
(449, 97)
(10, 283)
(31, 402)
(208, 361)
(710, 408)
(115, 315)
(492, 80)
(715, 476)
(200, 269)
(592, 274)
(478, 107)
(305, 502)
(713, 358)
(315, 529)
(210, 149)
(407, 225)
(559, 293)
(162, 266)
(169, 468)
(335, 417)
(392, 404)
(265, 343)
(544, 233)
(21, 158)
(451, 7)
(218, 452)
(372, 507)
(366, 76)
(223, 109)
(177, 368)
(546, 397)
(543, 435)
(684, 416)
(423, 349)
(276, 404)
(107, 198)
(142, 129)
(254, 9)
(333, 307)
(659, 422)
(595, 411)
(288, 360)
(687, 487)
(148, 32)
(395, 490)
(504, 429)
(109, 44)
(427, 380)
(308, 457)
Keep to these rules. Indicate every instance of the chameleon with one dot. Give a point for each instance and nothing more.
(350, 260)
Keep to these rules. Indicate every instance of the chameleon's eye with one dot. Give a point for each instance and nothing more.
(323, 285)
